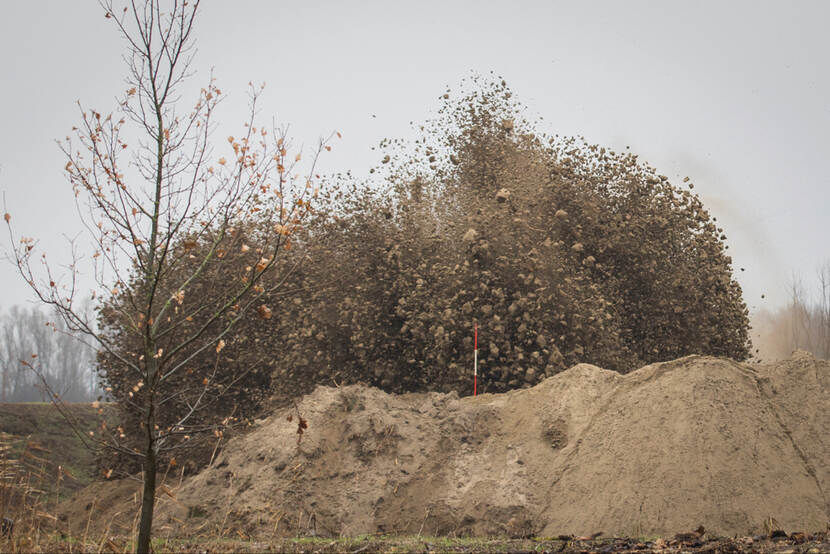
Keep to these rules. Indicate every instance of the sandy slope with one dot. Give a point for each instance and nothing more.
(695, 441)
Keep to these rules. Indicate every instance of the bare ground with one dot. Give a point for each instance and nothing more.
(740, 449)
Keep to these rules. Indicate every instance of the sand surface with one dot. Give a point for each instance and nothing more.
(695, 441)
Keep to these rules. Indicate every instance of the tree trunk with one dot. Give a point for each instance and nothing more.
(148, 498)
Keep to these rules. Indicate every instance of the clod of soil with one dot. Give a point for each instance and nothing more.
(695, 441)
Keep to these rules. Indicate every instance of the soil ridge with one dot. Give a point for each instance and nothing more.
(673, 445)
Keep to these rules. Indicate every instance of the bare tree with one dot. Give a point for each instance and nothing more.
(149, 189)
(803, 324)
(822, 312)
(809, 315)
(67, 365)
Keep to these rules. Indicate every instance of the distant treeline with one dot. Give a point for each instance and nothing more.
(33, 340)
(803, 324)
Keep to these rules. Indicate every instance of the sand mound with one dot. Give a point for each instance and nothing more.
(696, 441)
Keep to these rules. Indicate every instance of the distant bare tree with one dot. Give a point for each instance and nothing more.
(823, 309)
(803, 324)
(67, 365)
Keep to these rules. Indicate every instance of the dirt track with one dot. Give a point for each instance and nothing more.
(695, 441)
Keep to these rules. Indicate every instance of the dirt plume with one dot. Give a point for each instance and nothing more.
(695, 441)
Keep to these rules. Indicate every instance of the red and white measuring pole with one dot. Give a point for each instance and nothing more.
(475, 360)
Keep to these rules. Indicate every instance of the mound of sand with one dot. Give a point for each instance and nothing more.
(696, 441)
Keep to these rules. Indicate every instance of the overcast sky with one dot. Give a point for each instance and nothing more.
(736, 95)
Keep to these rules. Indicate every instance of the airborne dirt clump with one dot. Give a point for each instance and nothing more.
(695, 441)
(559, 250)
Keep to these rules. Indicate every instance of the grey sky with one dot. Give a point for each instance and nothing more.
(734, 95)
